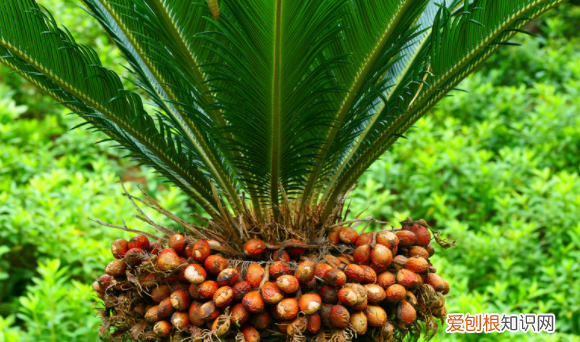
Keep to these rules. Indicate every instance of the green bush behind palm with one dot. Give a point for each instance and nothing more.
(496, 168)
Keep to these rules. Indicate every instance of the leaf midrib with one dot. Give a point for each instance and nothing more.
(276, 106)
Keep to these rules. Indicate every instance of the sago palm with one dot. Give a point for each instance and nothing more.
(265, 112)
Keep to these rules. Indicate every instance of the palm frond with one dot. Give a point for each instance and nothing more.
(159, 46)
(33, 45)
(374, 34)
(457, 45)
(272, 83)
(287, 101)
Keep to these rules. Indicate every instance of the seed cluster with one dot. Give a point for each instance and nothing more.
(382, 287)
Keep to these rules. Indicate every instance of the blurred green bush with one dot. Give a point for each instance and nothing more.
(496, 168)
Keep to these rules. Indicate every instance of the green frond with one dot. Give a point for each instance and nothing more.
(374, 34)
(158, 46)
(272, 85)
(33, 45)
(276, 99)
(457, 45)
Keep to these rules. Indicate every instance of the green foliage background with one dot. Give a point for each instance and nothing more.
(496, 168)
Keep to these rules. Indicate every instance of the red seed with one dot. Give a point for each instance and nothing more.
(287, 283)
(165, 308)
(116, 267)
(177, 242)
(271, 293)
(333, 238)
(250, 334)
(362, 255)
(194, 317)
(335, 277)
(160, 293)
(214, 264)
(208, 311)
(119, 247)
(254, 247)
(418, 252)
(223, 296)
(339, 316)
(376, 315)
(395, 293)
(240, 289)
(309, 303)
(348, 235)
(407, 278)
(332, 260)
(348, 297)
(359, 323)
(400, 260)
(140, 241)
(261, 320)
(227, 277)
(387, 239)
(254, 275)
(239, 315)
(417, 264)
(194, 292)
(195, 274)
(280, 255)
(406, 238)
(305, 272)
(253, 302)
(360, 291)
(220, 326)
(329, 294)
(321, 269)
(104, 281)
(180, 320)
(287, 308)
(406, 312)
(162, 329)
(364, 239)
(200, 250)
(313, 323)
(324, 312)
(180, 300)
(422, 233)
(370, 276)
(279, 268)
(295, 252)
(354, 273)
(381, 258)
(411, 298)
(97, 287)
(151, 315)
(346, 259)
(207, 289)
(438, 283)
(386, 279)
(168, 260)
(375, 293)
